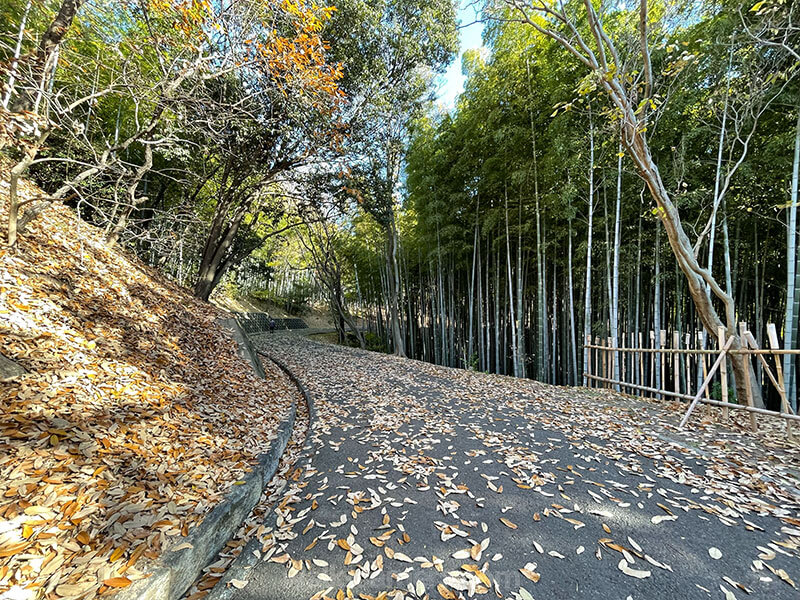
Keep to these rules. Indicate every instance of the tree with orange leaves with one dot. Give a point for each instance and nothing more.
(150, 63)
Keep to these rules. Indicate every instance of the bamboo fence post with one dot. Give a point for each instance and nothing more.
(747, 382)
(676, 374)
(723, 373)
(641, 365)
(698, 366)
(687, 364)
(623, 363)
(587, 376)
(764, 364)
(652, 360)
(772, 334)
(598, 353)
(663, 357)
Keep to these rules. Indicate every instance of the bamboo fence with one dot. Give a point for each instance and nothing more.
(687, 372)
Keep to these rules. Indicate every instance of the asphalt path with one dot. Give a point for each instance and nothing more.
(420, 481)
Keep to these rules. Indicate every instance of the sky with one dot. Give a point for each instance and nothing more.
(452, 82)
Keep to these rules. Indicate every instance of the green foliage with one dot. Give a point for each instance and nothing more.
(294, 302)
(716, 393)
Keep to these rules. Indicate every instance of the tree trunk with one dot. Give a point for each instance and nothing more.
(48, 46)
(394, 290)
(697, 277)
(218, 244)
(133, 201)
(12, 71)
(17, 171)
(634, 125)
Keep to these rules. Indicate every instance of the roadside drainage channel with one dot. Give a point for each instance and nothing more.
(248, 558)
(174, 571)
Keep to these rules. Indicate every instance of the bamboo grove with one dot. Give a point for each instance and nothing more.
(612, 170)
(524, 222)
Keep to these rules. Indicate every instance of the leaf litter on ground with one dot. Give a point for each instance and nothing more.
(134, 419)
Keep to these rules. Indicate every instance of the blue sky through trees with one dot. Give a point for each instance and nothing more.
(451, 84)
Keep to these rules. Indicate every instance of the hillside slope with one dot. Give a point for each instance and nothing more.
(135, 416)
(316, 318)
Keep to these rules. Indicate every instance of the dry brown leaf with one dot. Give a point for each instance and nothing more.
(117, 582)
(507, 523)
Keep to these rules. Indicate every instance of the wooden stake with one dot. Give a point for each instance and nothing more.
(754, 344)
(676, 373)
(588, 382)
(687, 365)
(597, 356)
(641, 364)
(747, 382)
(652, 359)
(723, 373)
(720, 359)
(705, 374)
(772, 334)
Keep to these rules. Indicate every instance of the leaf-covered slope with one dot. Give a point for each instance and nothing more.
(135, 416)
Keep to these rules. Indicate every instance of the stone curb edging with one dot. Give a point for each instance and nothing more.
(248, 559)
(244, 345)
(312, 410)
(175, 571)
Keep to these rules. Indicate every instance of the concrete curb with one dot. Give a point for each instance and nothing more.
(312, 411)
(245, 347)
(174, 572)
(9, 369)
(247, 559)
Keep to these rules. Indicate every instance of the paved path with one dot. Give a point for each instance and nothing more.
(446, 482)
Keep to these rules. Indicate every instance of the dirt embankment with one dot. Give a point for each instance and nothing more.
(133, 419)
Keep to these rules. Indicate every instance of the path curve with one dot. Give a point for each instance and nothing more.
(422, 480)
